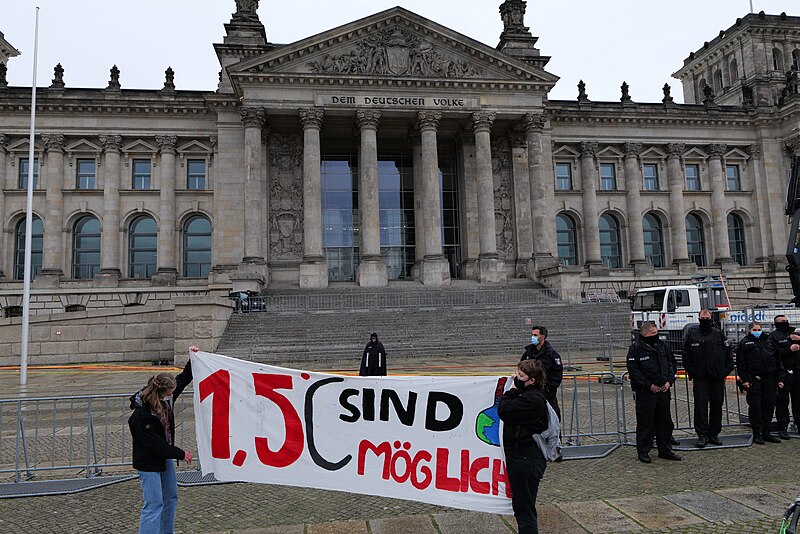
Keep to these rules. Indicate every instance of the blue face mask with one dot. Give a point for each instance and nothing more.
(535, 340)
(756, 334)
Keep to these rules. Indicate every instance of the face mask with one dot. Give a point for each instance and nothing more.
(783, 327)
(535, 340)
(650, 340)
(167, 399)
(756, 333)
(518, 383)
(705, 324)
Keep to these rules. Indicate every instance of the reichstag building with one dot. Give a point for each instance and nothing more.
(395, 149)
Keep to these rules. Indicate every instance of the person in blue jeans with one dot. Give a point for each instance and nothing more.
(152, 426)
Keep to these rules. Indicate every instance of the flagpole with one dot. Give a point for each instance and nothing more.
(751, 6)
(26, 290)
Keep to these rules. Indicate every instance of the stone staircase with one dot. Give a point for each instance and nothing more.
(334, 325)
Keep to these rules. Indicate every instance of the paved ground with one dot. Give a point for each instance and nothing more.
(725, 490)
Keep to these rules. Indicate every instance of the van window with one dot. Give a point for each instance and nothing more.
(681, 297)
(648, 300)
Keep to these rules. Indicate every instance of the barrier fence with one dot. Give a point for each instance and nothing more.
(87, 434)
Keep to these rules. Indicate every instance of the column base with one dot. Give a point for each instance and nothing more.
(243, 281)
(641, 268)
(536, 264)
(435, 271)
(165, 277)
(372, 272)
(597, 269)
(314, 273)
(492, 271)
(107, 278)
(469, 269)
(49, 278)
(685, 266)
(727, 265)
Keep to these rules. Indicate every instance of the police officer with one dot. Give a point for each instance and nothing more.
(707, 358)
(783, 342)
(540, 349)
(759, 371)
(651, 366)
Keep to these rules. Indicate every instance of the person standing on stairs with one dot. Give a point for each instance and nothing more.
(373, 360)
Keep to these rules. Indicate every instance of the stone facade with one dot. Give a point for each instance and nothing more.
(561, 192)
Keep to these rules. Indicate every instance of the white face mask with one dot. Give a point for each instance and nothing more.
(167, 399)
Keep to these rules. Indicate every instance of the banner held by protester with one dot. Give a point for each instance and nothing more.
(428, 439)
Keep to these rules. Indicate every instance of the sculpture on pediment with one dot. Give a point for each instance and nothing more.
(58, 77)
(3, 72)
(395, 52)
(513, 14)
(246, 11)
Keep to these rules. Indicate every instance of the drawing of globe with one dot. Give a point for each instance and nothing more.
(487, 427)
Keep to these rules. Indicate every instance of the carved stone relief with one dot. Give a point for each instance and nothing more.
(503, 197)
(286, 197)
(395, 52)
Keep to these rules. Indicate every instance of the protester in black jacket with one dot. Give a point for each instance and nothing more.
(784, 342)
(759, 371)
(523, 410)
(373, 360)
(652, 370)
(152, 426)
(541, 350)
(708, 359)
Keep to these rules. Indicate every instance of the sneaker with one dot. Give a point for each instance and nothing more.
(644, 458)
(701, 442)
(669, 455)
(771, 439)
(714, 440)
(757, 439)
(783, 434)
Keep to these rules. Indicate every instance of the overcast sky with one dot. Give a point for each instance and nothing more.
(602, 42)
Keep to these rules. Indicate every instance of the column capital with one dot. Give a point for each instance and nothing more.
(676, 149)
(311, 117)
(53, 142)
(793, 145)
(632, 150)
(755, 151)
(253, 117)
(429, 120)
(167, 143)
(4, 139)
(368, 118)
(483, 120)
(717, 150)
(535, 121)
(111, 143)
(588, 148)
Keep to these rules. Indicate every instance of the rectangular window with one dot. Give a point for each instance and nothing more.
(196, 174)
(85, 170)
(141, 173)
(650, 171)
(608, 177)
(692, 172)
(734, 179)
(563, 177)
(23, 173)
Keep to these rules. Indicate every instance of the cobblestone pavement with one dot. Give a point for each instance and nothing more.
(724, 490)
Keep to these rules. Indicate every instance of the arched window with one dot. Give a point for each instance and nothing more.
(736, 239)
(142, 247)
(610, 249)
(197, 247)
(777, 59)
(734, 68)
(701, 87)
(37, 242)
(796, 58)
(653, 240)
(86, 248)
(567, 240)
(695, 240)
(718, 85)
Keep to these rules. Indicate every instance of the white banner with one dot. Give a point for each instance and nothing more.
(428, 439)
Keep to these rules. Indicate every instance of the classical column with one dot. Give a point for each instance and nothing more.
(435, 268)
(591, 227)
(4, 242)
(167, 273)
(523, 226)
(314, 268)
(542, 197)
(53, 259)
(633, 185)
(254, 120)
(719, 219)
(419, 216)
(763, 215)
(371, 266)
(109, 247)
(677, 210)
(491, 268)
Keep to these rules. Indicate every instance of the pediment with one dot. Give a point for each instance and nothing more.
(736, 154)
(565, 151)
(139, 146)
(83, 145)
(609, 152)
(653, 153)
(23, 145)
(194, 147)
(695, 153)
(395, 43)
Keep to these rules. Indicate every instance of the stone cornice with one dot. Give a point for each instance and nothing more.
(654, 118)
(70, 102)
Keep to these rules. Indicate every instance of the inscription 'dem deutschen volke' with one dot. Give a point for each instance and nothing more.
(427, 102)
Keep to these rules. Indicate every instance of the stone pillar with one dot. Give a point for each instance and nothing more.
(435, 268)
(677, 210)
(541, 192)
(719, 220)
(314, 268)
(53, 260)
(633, 185)
(371, 267)
(167, 273)
(109, 247)
(491, 268)
(4, 241)
(419, 216)
(591, 225)
(523, 226)
(763, 215)
(254, 120)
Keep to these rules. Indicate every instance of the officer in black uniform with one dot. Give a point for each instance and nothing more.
(707, 358)
(541, 350)
(783, 342)
(651, 366)
(759, 371)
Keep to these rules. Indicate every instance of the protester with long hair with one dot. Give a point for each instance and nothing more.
(152, 426)
(523, 409)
